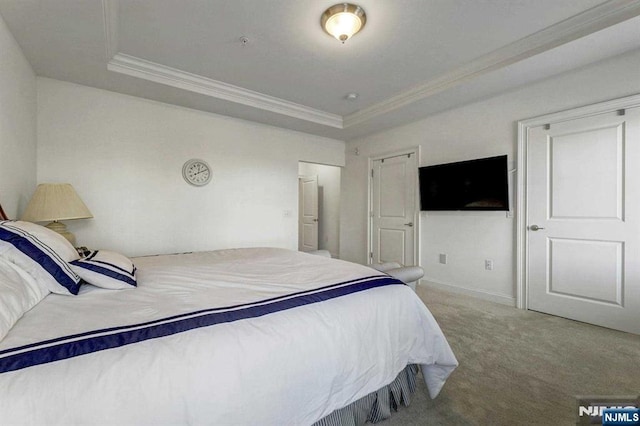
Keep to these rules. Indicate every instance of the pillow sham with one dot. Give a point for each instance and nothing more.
(19, 292)
(106, 269)
(42, 253)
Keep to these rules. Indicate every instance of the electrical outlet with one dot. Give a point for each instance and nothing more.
(443, 258)
(286, 213)
(488, 265)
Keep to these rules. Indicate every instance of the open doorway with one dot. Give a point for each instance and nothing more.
(319, 208)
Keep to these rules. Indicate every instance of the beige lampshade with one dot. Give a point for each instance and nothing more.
(54, 202)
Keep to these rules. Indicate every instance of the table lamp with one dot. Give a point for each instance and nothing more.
(55, 202)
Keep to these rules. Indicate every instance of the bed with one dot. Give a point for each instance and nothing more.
(242, 336)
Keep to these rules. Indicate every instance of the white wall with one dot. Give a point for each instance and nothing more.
(124, 156)
(328, 204)
(476, 130)
(17, 126)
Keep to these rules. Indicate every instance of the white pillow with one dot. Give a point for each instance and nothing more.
(19, 292)
(106, 269)
(42, 253)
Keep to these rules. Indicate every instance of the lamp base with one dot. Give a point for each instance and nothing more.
(61, 229)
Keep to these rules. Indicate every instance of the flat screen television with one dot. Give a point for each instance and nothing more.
(480, 184)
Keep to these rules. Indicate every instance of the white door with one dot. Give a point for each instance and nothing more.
(583, 219)
(393, 210)
(308, 213)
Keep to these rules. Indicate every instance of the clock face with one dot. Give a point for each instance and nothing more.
(196, 172)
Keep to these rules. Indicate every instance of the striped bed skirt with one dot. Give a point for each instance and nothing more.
(377, 405)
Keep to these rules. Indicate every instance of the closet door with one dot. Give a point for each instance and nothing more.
(583, 219)
(393, 210)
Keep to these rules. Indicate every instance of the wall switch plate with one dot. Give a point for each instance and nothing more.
(488, 265)
(443, 258)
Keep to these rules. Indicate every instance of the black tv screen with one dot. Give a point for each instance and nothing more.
(466, 185)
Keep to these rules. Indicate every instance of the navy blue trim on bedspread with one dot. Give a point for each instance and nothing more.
(98, 340)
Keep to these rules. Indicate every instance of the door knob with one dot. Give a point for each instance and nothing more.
(408, 224)
(535, 228)
(315, 220)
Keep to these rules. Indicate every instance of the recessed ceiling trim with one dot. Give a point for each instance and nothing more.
(587, 22)
(140, 68)
(136, 67)
(110, 17)
(602, 16)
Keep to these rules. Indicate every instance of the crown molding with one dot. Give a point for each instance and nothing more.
(110, 20)
(587, 22)
(158, 73)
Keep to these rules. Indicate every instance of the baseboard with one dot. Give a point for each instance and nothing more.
(485, 295)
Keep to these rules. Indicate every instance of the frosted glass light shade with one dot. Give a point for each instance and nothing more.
(343, 20)
(54, 202)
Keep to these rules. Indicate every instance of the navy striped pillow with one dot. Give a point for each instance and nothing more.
(40, 252)
(106, 269)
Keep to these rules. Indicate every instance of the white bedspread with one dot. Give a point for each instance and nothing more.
(289, 367)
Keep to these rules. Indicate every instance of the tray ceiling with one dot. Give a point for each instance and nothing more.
(414, 57)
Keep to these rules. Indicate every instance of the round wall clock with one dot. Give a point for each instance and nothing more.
(196, 172)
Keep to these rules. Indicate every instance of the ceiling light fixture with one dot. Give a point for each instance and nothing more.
(343, 20)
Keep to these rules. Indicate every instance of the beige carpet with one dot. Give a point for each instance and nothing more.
(520, 367)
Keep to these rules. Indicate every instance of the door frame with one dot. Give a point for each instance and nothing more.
(416, 228)
(522, 255)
